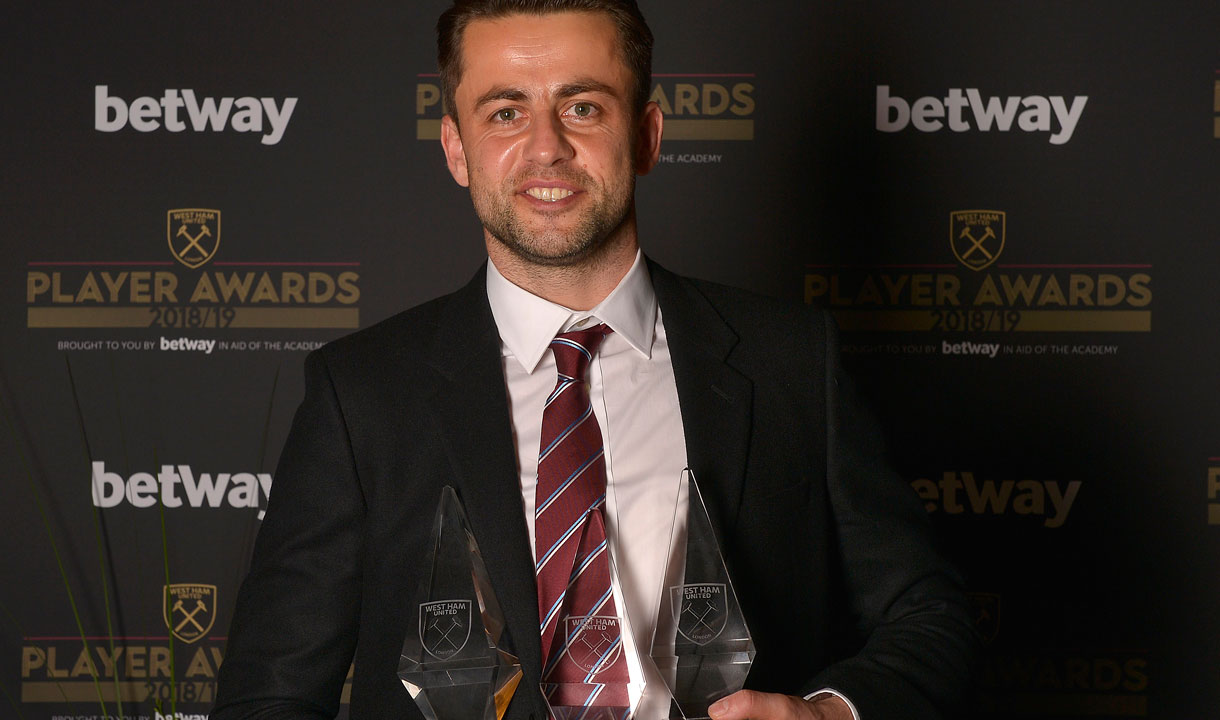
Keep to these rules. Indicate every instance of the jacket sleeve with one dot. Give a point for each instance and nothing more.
(295, 626)
(907, 601)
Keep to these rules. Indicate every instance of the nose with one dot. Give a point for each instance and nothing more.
(547, 142)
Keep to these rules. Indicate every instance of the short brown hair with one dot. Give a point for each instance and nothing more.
(634, 36)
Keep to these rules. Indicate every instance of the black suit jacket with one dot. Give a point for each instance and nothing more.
(829, 551)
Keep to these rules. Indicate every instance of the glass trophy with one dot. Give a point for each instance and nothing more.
(588, 651)
(453, 660)
(702, 646)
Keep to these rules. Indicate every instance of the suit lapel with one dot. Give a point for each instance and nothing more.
(471, 407)
(714, 398)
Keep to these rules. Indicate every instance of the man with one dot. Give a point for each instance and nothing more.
(852, 613)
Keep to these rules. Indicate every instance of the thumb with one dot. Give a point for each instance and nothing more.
(748, 705)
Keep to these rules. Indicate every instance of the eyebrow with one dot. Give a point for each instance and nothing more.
(584, 86)
(500, 93)
(566, 90)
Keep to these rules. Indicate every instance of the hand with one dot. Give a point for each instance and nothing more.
(752, 705)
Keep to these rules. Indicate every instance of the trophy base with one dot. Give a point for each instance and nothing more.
(604, 712)
(697, 681)
(465, 694)
(567, 701)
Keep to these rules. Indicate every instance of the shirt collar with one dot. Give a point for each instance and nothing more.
(528, 323)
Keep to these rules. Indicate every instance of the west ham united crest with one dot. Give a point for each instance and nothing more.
(194, 235)
(189, 610)
(976, 236)
(705, 609)
(444, 627)
(594, 641)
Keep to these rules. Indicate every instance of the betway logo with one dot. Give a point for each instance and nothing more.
(1043, 498)
(146, 114)
(188, 344)
(239, 490)
(930, 114)
(961, 348)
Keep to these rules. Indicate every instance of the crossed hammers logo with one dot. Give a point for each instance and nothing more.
(192, 241)
(200, 606)
(444, 634)
(975, 244)
(701, 620)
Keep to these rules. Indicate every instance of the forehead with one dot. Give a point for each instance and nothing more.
(540, 50)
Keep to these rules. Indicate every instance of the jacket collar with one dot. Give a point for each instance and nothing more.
(715, 399)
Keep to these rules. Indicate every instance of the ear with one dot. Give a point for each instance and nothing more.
(648, 139)
(455, 156)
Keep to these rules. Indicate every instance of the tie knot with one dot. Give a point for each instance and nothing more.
(573, 350)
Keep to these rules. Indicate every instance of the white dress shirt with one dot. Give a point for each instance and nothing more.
(635, 401)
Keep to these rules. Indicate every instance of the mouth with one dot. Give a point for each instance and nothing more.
(549, 194)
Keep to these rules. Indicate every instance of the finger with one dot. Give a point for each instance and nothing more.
(750, 705)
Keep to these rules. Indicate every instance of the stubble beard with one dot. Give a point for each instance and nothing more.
(551, 246)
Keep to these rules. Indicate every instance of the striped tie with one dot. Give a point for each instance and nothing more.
(582, 658)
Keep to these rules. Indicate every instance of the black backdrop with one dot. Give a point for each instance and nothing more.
(1030, 310)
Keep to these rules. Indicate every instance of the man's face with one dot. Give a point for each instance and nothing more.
(549, 143)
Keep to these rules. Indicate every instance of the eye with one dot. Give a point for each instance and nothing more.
(506, 115)
(582, 109)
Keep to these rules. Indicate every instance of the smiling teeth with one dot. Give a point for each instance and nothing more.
(548, 194)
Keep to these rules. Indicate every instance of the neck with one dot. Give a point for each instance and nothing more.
(579, 285)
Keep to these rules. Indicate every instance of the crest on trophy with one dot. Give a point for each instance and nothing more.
(593, 641)
(703, 613)
(444, 627)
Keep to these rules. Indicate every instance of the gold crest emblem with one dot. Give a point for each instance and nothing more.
(976, 236)
(193, 234)
(189, 610)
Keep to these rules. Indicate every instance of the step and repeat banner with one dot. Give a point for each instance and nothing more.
(1009, 206)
